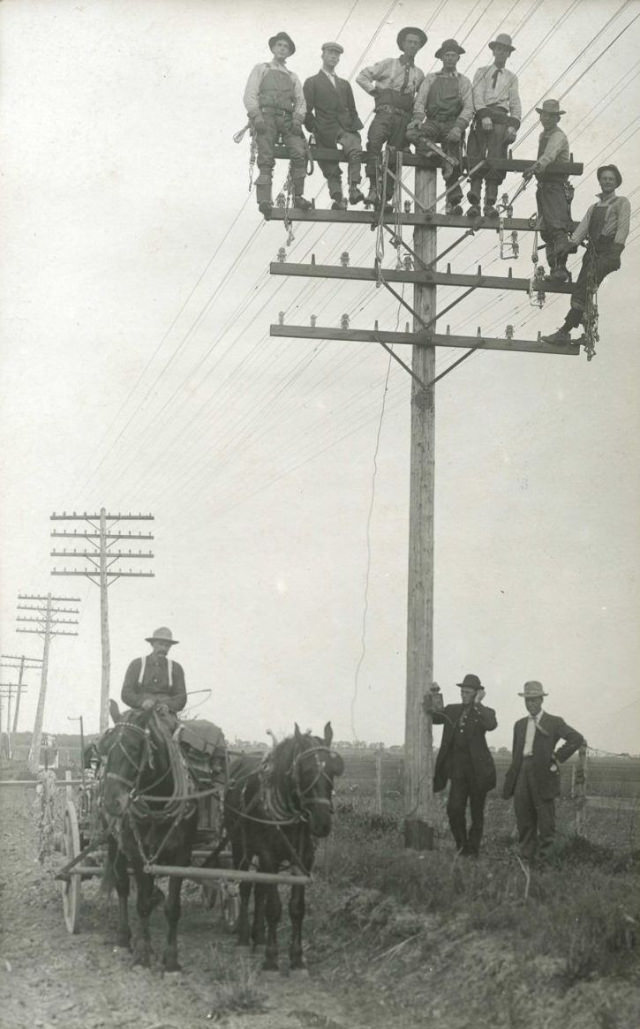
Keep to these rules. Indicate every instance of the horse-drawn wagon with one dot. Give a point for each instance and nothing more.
(179, 805)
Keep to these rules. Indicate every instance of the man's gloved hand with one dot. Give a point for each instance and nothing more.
(148, 704)
(296, 127)
(162, 709)
(478, 697)
(487, 125)
(511, 134)
(454, 135)
(258, 122)
(528, 174)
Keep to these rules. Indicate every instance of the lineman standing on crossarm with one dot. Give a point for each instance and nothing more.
(496, 101)
(554, 193)
(393, 83)
(605, 226)
(333, 119)
(441, 113)
(276, 107)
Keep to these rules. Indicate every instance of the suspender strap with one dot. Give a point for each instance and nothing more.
(143, 662)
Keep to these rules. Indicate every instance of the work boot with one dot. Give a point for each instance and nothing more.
(302, 203)
(265, 208)
(453, 209)
(559, 274)
(473, 211)
(371, 198)
(355, 196)
(490, 211)
(339, 204)
(561, 336)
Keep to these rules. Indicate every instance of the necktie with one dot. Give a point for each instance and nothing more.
(405, 84)
(495, 77)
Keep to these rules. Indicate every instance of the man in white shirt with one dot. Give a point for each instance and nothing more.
(533, 779)
(498, 110)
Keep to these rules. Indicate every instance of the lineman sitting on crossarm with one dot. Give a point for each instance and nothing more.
(605, 226)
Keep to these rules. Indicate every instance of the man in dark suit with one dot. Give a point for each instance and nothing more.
(464, 759)
(333, 119)
(533, 779)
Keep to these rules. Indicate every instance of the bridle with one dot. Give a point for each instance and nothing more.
(145, 761)
(321, 773)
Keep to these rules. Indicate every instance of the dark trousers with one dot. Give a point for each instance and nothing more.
(554, 212)
(280, 124)
(389, 125)
(535, 815)
(482, 144)
(437, 132)
(464, 789)
(599, 261)
(352, 147)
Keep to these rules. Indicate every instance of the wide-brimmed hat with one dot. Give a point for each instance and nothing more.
(282, 36)
(502, 39)
(450, 44)
(471, 682)
(611, 168)
(550, 107)
(332, 46)
(163, 634)
(532, 689)
(410, 29)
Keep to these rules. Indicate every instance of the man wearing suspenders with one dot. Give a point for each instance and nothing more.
(155, 681)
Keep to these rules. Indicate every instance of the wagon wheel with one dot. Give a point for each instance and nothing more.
(70, 888)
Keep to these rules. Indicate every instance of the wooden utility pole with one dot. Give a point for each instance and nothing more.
(101, 535)
(425, 277)
(22, 663)
(46, 624)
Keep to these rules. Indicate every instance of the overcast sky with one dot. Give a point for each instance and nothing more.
(138, 374)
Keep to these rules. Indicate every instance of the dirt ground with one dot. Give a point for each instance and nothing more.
(418, 971)
(50, 978)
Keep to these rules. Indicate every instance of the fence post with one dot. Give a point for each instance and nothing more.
(579, 788)
(379, 780)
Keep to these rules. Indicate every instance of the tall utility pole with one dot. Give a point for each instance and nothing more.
(46, 624)
(101, 534)
(420, 270)
(22, 663)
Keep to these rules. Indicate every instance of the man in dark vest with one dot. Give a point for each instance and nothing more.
(441, 114)
(393, 83)
(533, 779)
(496, 101)
(554, 192)
(276, 107)
(605, 226)
(334, 121)
(464, 760)
(155, 682)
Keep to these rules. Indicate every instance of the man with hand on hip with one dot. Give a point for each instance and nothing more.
(533, 778)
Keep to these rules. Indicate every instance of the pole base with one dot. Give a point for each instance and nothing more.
(418, 835)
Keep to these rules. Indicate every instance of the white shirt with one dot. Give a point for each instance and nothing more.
(532, 723)
(330, 76)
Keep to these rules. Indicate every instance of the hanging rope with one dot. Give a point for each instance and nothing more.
(536, 283)
(591, 335)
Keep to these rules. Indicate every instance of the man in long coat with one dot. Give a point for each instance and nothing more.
(533, 778)
(333, 119)
(464, 760)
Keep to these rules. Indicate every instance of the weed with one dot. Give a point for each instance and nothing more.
(236, 989)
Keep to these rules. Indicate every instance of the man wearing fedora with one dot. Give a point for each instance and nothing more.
(605, 227)
(333, 119)
(554, 193)
(464, 760)
(533, 778)
(498, 110)
(441, 114)
(276, 108)
(155, 681)
(393, 83)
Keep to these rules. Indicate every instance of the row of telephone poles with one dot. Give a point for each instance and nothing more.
(101, 539)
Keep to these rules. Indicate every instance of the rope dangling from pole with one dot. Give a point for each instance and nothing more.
(284, 200)
(591, 334)
(397, 203)
(536, 283)
(381, 182)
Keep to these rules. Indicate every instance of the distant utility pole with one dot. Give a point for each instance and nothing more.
(22, 663)
(45, 624)
(101, 534)
(7, 691)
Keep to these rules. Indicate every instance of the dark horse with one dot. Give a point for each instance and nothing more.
(145, 800)
(275, 807)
